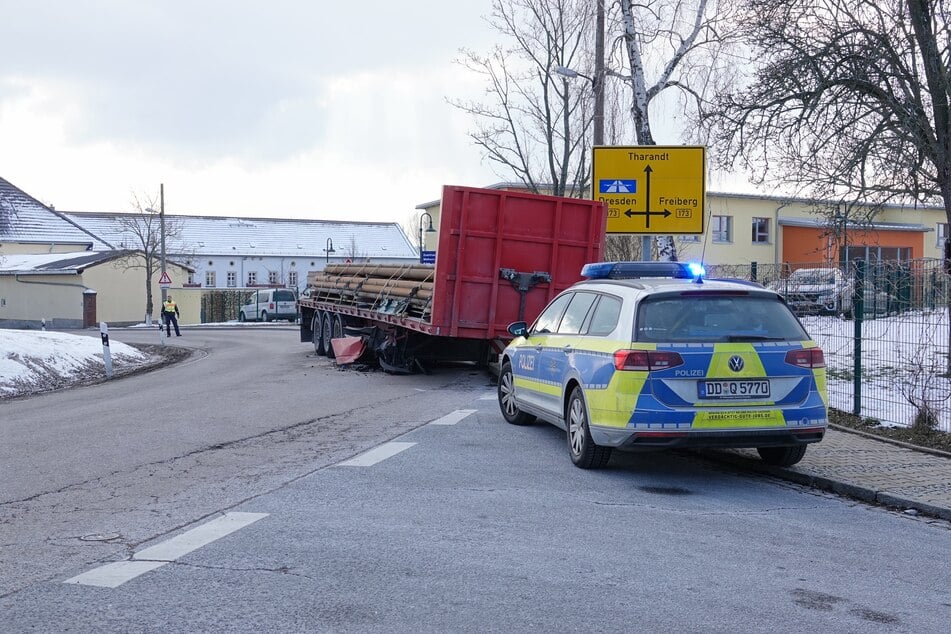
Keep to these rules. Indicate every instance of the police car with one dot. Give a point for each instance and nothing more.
(650, 355)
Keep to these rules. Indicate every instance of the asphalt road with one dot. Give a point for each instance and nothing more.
(466, 524)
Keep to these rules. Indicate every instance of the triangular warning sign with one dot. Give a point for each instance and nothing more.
(165, 279)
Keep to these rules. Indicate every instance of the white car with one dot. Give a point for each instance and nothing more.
(828, 291)
(269, 304)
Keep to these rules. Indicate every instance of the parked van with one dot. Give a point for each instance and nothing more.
(269, 304)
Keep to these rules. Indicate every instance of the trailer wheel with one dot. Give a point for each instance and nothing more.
(315, 329)
(338, 326)
(506, 391)
(326, 330)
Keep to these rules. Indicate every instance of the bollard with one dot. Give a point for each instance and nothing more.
(106, 353)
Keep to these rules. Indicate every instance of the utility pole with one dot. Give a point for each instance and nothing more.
(598, 82)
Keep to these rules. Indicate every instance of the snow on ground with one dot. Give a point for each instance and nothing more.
(902, 360)
(30, 358)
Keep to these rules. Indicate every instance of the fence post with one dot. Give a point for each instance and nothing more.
(858, 314)
(752, 271)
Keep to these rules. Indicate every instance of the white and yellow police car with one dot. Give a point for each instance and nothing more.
(650, 355)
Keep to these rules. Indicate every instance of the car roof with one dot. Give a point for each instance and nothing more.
(647, 286)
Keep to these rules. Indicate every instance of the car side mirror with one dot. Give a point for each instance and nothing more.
(518, 329)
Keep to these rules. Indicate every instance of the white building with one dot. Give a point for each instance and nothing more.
(231, 252)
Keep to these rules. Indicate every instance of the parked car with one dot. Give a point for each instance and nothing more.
(828, 291)
(638, 358)
(269, 304)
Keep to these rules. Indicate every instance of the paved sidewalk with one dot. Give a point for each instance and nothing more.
(869, 469)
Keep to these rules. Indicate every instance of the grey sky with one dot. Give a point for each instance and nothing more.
(285, 108)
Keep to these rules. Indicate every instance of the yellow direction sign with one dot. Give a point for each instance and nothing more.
(651, 188)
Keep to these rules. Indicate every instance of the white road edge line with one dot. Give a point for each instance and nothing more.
(489, 396)
(453, 417)
(377, 454)
(115, 574)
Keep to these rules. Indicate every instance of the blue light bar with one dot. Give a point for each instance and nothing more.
(635, 270)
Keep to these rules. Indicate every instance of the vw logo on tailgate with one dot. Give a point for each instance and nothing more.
(736, 363)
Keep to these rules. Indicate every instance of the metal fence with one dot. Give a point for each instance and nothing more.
(884, 327)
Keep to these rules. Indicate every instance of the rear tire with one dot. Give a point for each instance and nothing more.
(584, 453)
(318, 341)
(506, 392)
(782, 456)
(265, 316)
(338, 326)
(326, 329)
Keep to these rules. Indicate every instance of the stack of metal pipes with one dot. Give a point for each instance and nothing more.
(395, 289)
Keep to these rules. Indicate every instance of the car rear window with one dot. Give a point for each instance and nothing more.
(283, 296)
(709, 317)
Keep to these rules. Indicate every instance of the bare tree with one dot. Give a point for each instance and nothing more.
(534, 125)
(680, 46)
(142, 235)
(847, 100)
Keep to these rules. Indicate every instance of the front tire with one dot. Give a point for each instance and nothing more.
(584, 453)
(510, 411)
(782, 456)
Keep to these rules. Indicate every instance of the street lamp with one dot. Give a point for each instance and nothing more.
(429, 229)
(329, 249)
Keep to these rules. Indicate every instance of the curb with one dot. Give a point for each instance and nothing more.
(847, 489)
(890, 441)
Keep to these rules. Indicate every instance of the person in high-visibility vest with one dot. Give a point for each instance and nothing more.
(170, 313)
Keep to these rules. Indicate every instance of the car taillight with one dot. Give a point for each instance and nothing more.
(271, 306)
(646, 360)
(808, 358)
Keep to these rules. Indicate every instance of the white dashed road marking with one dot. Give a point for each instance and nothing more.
(453, 417)
(377, 454)
(115, 574)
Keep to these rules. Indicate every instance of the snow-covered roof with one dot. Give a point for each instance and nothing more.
(55, 263)
(24, 219)
(218, 235)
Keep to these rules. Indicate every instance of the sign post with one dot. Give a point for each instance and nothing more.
(651, 189)
(165, 282)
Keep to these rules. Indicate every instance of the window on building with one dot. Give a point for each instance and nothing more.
(232, 279)
(252, 278)
(689, 238)
(722, 228)
(760, 230)
(272, 277)
(292, 278)
(191, 277)
(210, 278)
(942, 232)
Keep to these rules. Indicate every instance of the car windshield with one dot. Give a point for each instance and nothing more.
(716, 318)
